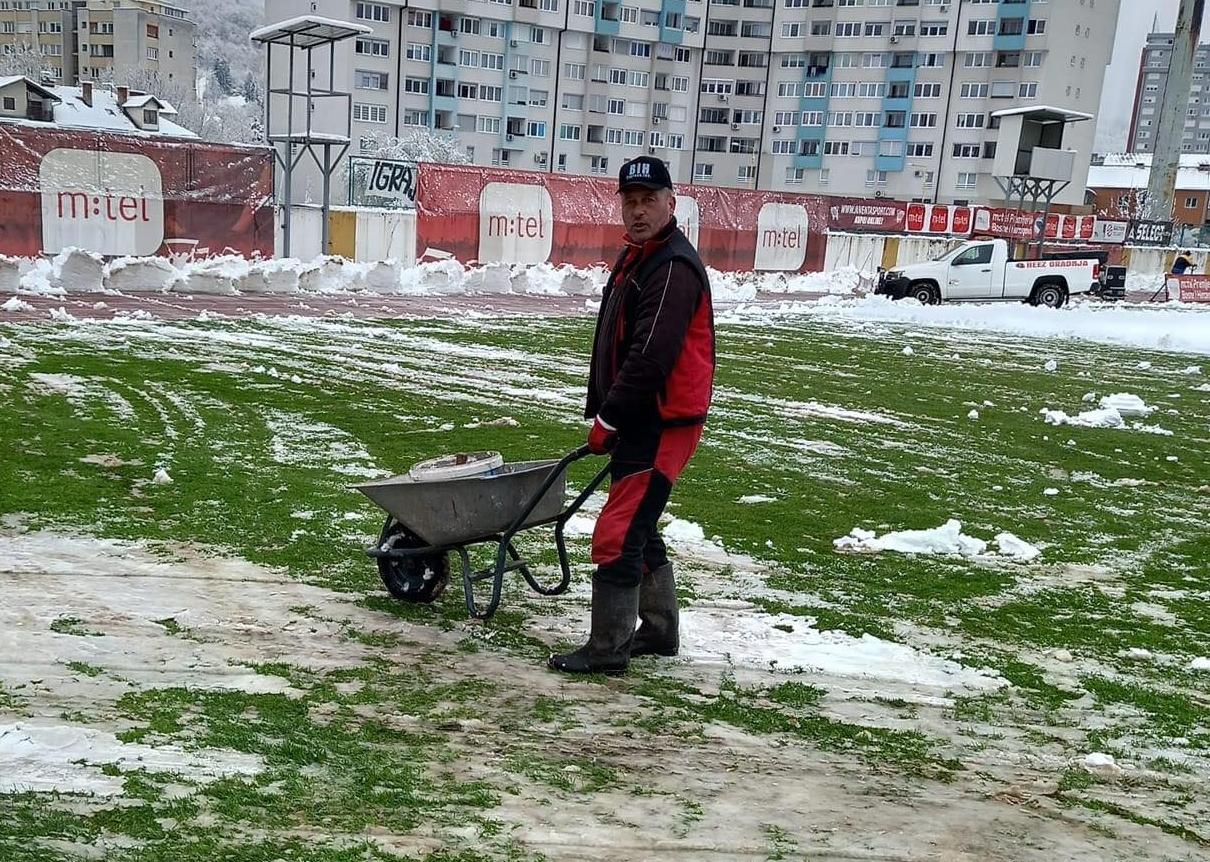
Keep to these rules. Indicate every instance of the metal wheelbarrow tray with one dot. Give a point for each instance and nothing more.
(427, 520)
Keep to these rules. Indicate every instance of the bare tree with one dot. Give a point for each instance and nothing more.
(24, 59)
(215, 118)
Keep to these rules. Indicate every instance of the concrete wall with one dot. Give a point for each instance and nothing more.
(356, 234)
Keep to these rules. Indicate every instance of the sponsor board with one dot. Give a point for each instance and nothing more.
(1189, 288)
(125, 195)
(1109, 232)
(1142, 232)
(860, 215)
(781, 237)
(109, 203)
(688, 216)
(516, 223)
(938, 219)
(1007, 224)
(384, 179)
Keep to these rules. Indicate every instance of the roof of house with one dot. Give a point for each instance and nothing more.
(105, 114)
(136, 102)
(1132, 171)
(9, 80)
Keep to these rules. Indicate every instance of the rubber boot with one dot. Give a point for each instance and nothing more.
(658, 632)
(614, 612)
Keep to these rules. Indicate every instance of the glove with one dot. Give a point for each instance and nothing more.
(601, 437)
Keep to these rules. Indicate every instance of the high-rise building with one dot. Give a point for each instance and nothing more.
(1149, 97)
(848, 97)
(98, 40)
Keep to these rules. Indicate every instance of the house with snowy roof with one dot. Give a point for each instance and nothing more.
(117, 110)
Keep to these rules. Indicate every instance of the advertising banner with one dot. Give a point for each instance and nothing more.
(852, 214)
(938, 219)
(479, 214)
(1109, 232)
(1141, 232)
(128, 195)
(1007, 224)
(1189, 288)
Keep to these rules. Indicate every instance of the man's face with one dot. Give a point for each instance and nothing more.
(646, 212)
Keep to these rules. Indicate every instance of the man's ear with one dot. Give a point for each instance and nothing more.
(671, 202)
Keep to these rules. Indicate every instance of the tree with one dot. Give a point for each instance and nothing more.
(416, 144)
(251, 92)
(25, 60)
(222, 76)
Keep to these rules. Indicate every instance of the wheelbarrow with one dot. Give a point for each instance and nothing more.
(446, 509)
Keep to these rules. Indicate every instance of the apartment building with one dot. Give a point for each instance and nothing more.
(101, 40)
(1149, 96)
(848, 97)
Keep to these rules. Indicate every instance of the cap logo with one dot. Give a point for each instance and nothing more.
(639, 170)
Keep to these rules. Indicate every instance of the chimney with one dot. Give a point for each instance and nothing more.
(86, 92)
(123, 96)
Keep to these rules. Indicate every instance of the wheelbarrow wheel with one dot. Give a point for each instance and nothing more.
(411, 579)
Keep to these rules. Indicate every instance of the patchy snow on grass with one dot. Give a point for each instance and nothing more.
(1107, 416)
(1200, 663)
(738, 634)
(301, 441)
(946, 540)
(749, 499)
(14, 304)
(1127, 404)
(66, 758)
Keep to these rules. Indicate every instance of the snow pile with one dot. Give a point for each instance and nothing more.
(948, 539)
(738, 634)
(1181, 327)
(1110, 414)
(1101, 764)
(1051, 365)
(13, 304)
(161, 477)
(1200, 663)
(66, 758)
(1126, 404)
(748, 499)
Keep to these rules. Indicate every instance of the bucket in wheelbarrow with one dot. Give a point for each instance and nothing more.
(451, 501)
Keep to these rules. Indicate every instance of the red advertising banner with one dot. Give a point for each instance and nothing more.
(129, 195)
(853, 214)
(487, 215)
(938, 219)
(1006, 223)
(1189, 288)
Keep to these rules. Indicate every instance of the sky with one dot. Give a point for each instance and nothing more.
(1134, 23)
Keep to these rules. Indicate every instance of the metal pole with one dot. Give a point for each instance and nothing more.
(1170, 125)
(285, 235)
(327, 172)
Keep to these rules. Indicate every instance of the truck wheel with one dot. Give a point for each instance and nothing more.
(1050, 295)
(925, 292)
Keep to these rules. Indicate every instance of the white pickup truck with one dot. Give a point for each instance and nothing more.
(984, 272)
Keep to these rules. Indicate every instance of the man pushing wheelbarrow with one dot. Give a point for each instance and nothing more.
(650, 383)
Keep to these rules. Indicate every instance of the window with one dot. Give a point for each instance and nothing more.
(569, 133)
(378, 81)
(489, 60)
(791, 30)
(153, 30)
(373, 12)
(783, 147)
(537, 98)
(1031, 59)
(680, 84)
(468, 58)
(1037, 26)
(638, 79)
(970, 121)
(1190, 203)
(812, 118)
(489, 125)
(1003, 89)
(923, 121)
(613, 136)
(919, 151)
(373, 47)
(420, 18)
(785, 118)
(676, 142)
(981, 27)
(967, 180)
(599, 165)
(468, 91)
(640, 49)
(875, 178)
(934, 28)
(977, 59)
(818, 28)
(535, 129)
(632, 138)
(794, 176)
(369, 113)
(537, 35)
(975, 256)
(703, 171)
(848, 29)
(1028, 90)
(891, 149)
(927, 91)
(966, 151)
(573, 71)
(584, 8)
(421, 118)
(418, 51)
(489, 93)
(746, 173)
(973, 91)
(836, 148)
(875, 28)
(789, 88)
(539, 68)
(153, 53)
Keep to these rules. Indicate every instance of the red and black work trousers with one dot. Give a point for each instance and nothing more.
(643, 467)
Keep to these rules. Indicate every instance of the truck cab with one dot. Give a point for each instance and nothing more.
(984, 271)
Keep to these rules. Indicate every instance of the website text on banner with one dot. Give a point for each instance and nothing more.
(488, 216)
(1189, 288)
(127, 195)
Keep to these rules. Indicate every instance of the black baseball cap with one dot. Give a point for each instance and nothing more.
(645, 172)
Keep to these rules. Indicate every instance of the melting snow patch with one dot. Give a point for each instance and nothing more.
(907, 351)
(1102, 418)
(1051, 365)
(161, 477)
(1101, 764)
(1139, 654)
(756, 498)
(1192, 369)
(65, 758)
(974, 414)
(14, 305)
(1126, 404)
(1200, 663)
(1051, 492)
(745, 636)
(1012, 546)
(946, 539)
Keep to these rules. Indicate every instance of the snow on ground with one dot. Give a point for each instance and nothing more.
(77, 271)
(1170, 326)
(65, 758)
(300, 441)
(1111, 414)
(948, 539)
(737, 633)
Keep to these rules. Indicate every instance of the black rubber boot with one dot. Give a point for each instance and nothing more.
(658, 633)
(614, 612)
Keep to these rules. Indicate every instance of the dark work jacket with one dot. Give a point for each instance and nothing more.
(653, 351)
(1181, 265)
